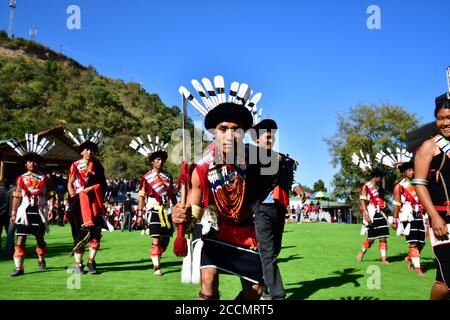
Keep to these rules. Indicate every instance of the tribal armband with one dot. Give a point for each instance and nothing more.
(420, 182)
(197, 212)
(362, 198)
(17, 194)
(396, 203)
(142, 193)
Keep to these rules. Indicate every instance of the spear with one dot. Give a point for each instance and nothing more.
(180, 246)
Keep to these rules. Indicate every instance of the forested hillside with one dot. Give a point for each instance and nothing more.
(40, 88)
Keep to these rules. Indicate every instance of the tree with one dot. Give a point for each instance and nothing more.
(370, 129)
(306, 189)
(319, 185)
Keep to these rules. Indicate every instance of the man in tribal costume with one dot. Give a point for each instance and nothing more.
(408, 211)
(372, 205)
(409, 216)
(29, 208)
(86, 187)
(156, 193)
(220, 191)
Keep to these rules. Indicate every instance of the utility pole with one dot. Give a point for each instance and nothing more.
(33, 32)
(12, 6)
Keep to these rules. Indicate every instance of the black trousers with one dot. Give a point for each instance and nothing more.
(269, 222)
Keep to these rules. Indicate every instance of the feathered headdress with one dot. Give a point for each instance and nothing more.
(153, 149)
(87, 141)
(394, 160)
(239, 106)
(34, 149)
(362, 161)
(365, 164)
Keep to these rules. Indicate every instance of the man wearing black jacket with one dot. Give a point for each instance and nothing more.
(270, 210)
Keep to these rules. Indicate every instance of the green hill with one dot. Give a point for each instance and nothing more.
(40, 88)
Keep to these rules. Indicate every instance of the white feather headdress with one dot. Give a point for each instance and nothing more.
(32, 145)
(213, 95)
(146, 150)
(362, 161)
(393, 160)
(86, 136)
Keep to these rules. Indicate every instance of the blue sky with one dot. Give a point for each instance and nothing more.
(310, 59)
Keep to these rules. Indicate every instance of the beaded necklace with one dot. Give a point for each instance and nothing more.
(227, 183)
(443, 144)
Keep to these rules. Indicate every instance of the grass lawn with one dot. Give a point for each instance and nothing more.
(317, 262)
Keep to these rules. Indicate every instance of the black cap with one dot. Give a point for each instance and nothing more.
(229, 112)
(267, 124)
(405, 166)
(158, 154)
(88, 145)
(263, 126)
(31, 156)
(377, 172)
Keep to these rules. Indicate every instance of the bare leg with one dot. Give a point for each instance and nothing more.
(210, 284)
(365, 246)
(439, 291)
(155, 254)
(250, 291)
(41, 250)
(383, 250)
(414, 253)
(19, 256)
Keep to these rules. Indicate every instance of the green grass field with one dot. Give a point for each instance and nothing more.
(317, 263)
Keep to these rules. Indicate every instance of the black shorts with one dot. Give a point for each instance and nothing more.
(417, 231)
(232, 259)
(379, 228)
(35, 225)
(156, 229)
